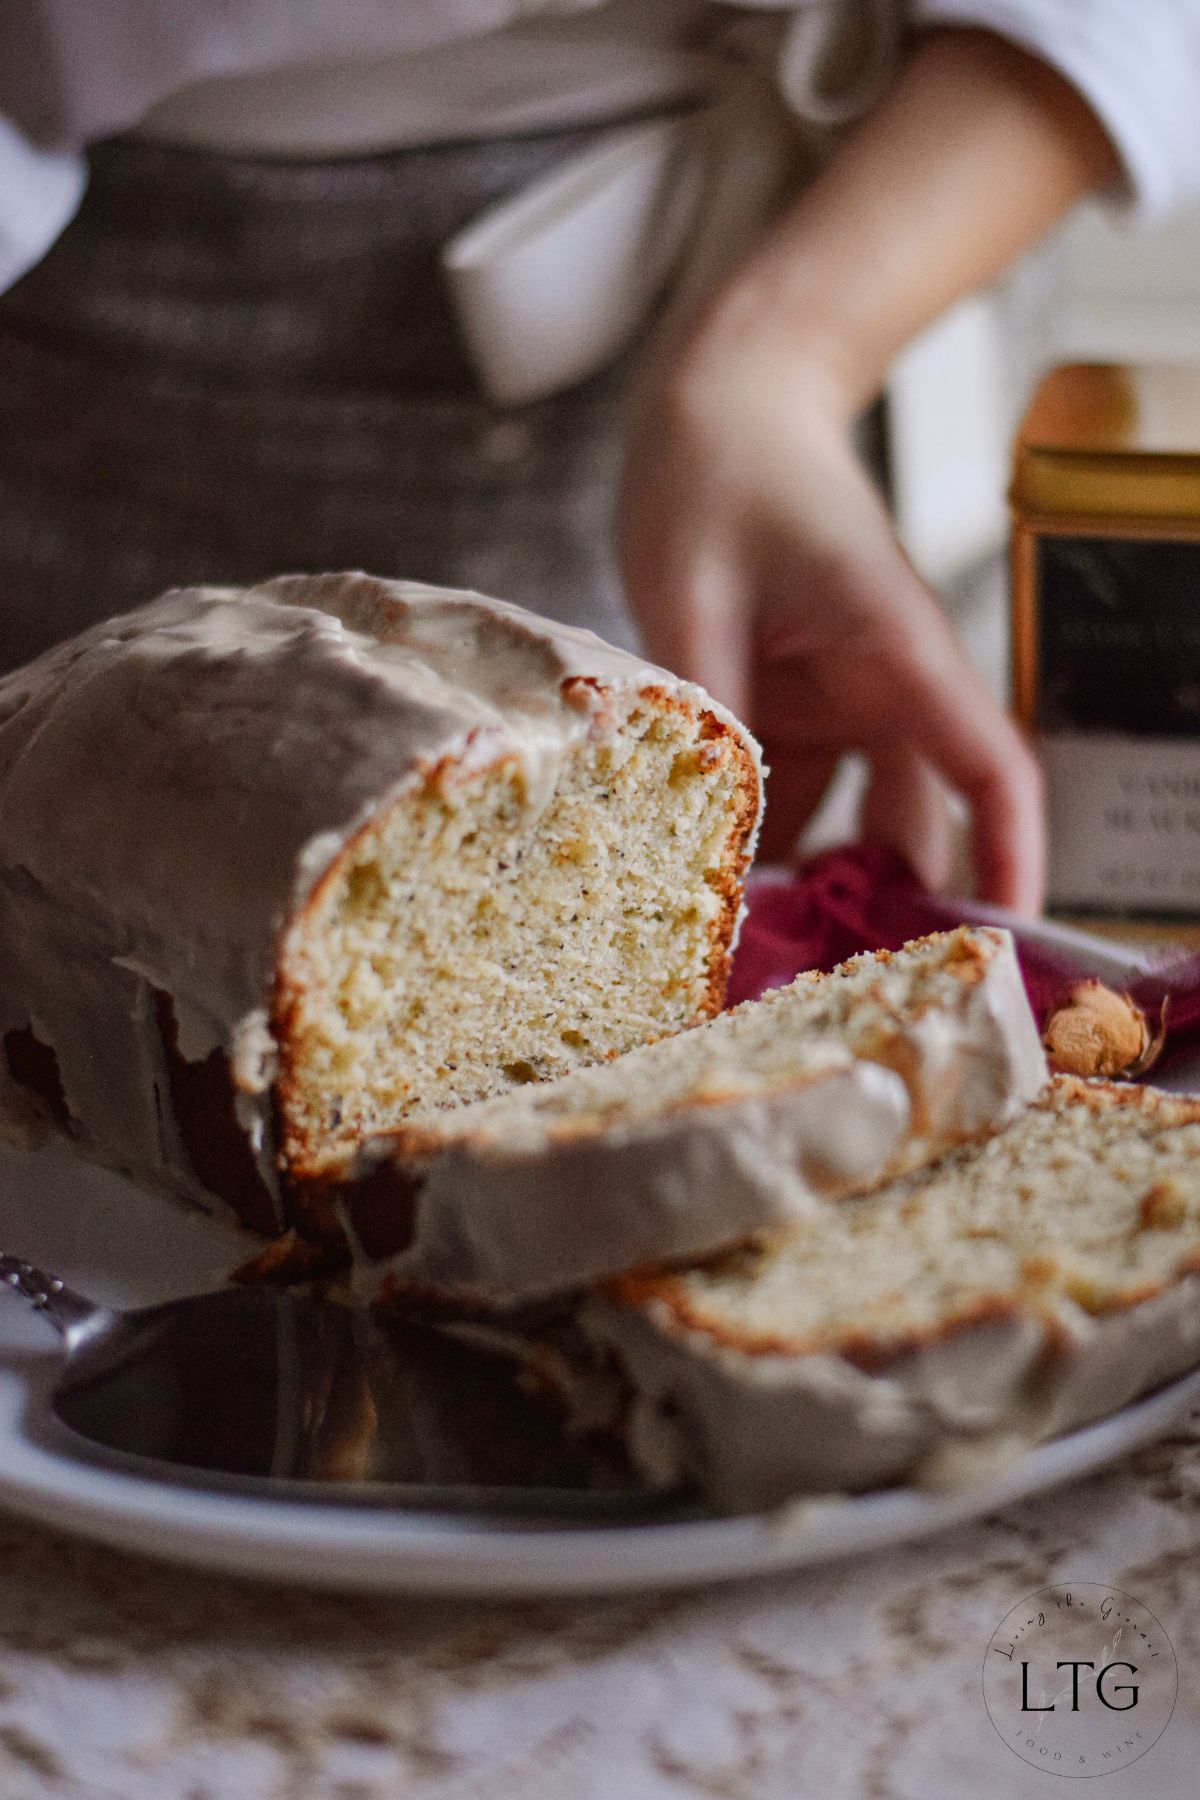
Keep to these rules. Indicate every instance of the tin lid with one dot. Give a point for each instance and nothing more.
(1110, 439)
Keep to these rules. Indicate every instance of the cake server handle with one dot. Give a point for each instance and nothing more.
(66, 1310)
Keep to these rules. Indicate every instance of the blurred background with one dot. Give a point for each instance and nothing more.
(1101, 290)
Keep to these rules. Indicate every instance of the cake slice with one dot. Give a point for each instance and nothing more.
(681, 1147)
(1020, 1287)
(285, 865)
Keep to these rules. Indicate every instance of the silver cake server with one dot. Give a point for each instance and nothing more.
(266, 1392)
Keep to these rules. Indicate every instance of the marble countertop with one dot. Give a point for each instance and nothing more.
(125, 1680)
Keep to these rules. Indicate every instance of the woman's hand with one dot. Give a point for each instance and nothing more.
(757, 556)
(761, 563)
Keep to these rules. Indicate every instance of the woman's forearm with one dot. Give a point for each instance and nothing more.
(976, 151)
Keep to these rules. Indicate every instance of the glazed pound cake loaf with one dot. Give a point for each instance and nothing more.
(283, 866)
(1020, 1287)
(682, 1147)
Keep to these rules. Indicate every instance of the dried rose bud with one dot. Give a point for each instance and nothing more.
(1096, 1031)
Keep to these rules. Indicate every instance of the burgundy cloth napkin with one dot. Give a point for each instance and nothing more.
(865, 897)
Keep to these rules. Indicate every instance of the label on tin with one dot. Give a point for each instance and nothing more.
(1118, 714)
(1124, 821)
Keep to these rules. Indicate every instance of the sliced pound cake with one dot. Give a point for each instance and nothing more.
(1020, 1287)
(283, 865)
(679, 1148)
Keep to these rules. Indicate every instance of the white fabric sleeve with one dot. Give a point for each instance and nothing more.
(40, 191)
(1136, 62)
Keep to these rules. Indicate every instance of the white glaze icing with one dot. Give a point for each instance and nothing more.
(977, 1066)
(513, 1207)
(756, 1430)
(498, 1226)
(174, 782)
(1013, 1365)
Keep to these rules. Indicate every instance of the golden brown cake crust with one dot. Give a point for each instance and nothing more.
(304, 1152)
(178, 787)
(1014, 1291)
(666, 1296)
(748, 1123)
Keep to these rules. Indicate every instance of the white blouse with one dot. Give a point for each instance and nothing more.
(307, 78)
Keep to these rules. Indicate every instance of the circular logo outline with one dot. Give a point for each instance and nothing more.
(1068, 1587)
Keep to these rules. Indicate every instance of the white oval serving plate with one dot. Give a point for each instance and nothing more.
(124, 1246)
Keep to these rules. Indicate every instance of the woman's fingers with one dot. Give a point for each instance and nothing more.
(957, 725)
(876, 667)
(920, 689)
(795, 787)
(907, 805)
(1008, 830)
(774, 579)
(690, 603)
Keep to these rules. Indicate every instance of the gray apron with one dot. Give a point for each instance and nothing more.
(229, 368)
